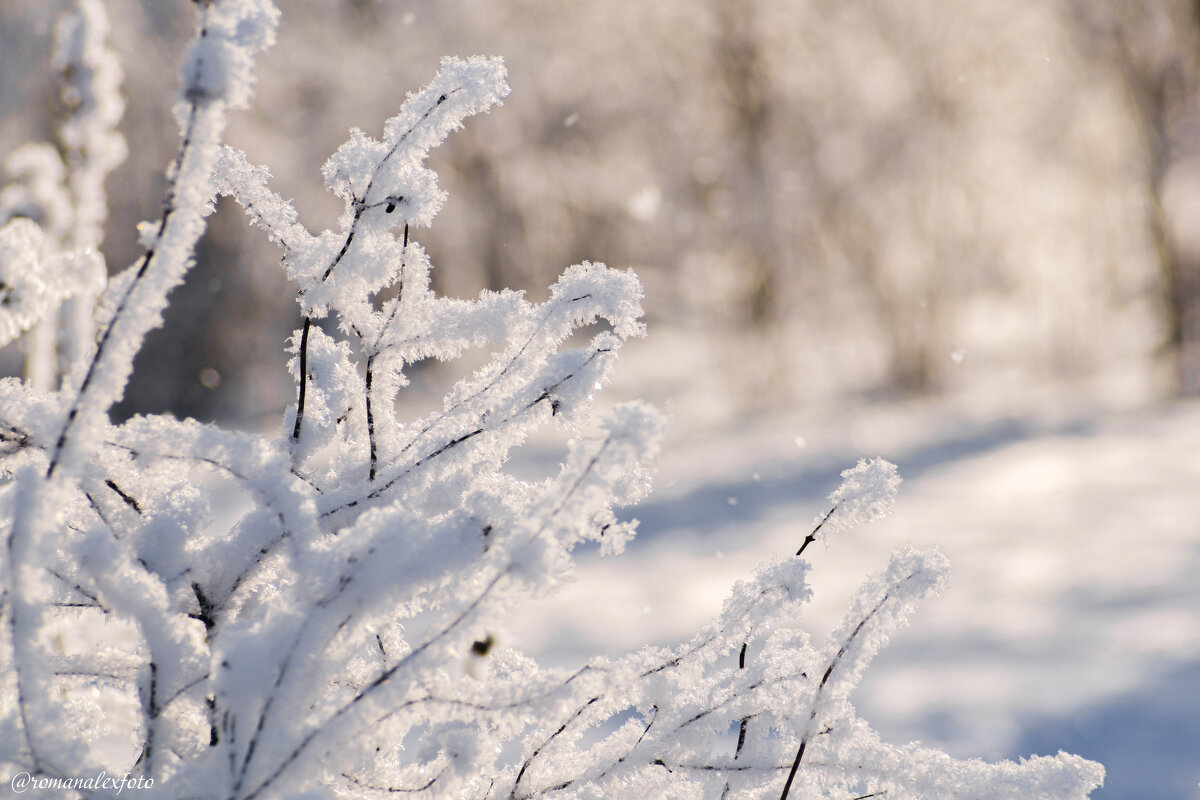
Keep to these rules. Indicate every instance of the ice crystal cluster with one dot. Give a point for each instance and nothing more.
(231, 615)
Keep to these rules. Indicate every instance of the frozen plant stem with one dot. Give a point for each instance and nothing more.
(360, 206)
(169, 255)
(303, 378)
(367, 399)
(816, 706)
(100, 357)
(812, 536)
(745, 723)
(372, 353)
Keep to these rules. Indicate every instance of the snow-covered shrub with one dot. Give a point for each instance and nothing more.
(228, 615)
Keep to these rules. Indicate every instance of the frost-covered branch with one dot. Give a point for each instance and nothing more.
(217, 75)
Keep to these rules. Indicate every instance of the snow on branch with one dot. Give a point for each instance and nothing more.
(867, 493)
(239, 616)
(217, 75)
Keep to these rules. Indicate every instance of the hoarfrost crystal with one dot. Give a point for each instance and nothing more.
(867, 493)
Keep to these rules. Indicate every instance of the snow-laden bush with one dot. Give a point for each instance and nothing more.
(226, 615)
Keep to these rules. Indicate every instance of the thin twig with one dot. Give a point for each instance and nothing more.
(360, 207)
(303, 378)
(837, 659)
(741, 742)
(812, 537)
(196, 105)
(371, 416)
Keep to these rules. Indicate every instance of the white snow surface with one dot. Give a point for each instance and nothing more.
(1072, 616)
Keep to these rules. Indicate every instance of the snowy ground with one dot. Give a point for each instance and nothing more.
(1073, 617)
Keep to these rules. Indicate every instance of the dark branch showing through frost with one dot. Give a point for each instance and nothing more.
(818, 696)
(812, 536)
(360, 206)
(118, 317)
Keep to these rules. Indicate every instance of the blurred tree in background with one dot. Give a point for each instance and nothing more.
(1154, 47)
(875, 199)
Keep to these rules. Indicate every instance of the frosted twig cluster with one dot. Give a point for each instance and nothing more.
(236, 616)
